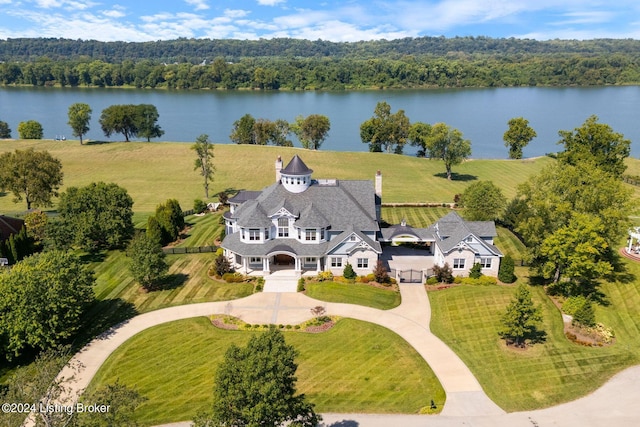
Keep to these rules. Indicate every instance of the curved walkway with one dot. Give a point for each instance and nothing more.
(613, 404)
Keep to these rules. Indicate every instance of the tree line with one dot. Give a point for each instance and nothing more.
(304, 65)
(197, 50)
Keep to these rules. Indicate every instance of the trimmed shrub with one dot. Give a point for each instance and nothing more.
(233, 277)
(324, 275)
(301, 284)
(476, 271)
(457, 280)
(507, 268)
(199, 206)
(481, 281)
(432, 280)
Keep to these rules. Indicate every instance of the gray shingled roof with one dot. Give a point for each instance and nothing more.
(452, 230)
(312, 217)
(296, 167)
(423, 234)
(345, 204)
(232, 242)
(252, 215)
(340, 238)
(243, 196)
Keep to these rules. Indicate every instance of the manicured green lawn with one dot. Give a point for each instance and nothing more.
(467, 319)
(354, 367)
(203, 230)
(354, 293)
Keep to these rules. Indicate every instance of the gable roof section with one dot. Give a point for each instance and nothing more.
(342, 238)
(252, 215)
(312, 217)
(452, 230)
(343, 205)
(9, 226)
(296, 167)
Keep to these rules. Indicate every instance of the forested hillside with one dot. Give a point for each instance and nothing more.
(302, 64)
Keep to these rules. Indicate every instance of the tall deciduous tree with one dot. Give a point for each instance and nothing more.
(147, 122)
(385, 131)
(242, 132)
(577, 251)
(42, 300)
(34, 175)
(146, 261)
(79, 118)
(120, 119)
(255, 386)
(418, 134)
(448, 145)
(518, 136)
(312, 130)
(553, 202)
(30, 129)
(204, 160)
(98, 216)
(521, 319)
(483, 201)
(597, 144)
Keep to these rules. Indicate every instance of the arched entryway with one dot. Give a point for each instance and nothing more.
(283, 261)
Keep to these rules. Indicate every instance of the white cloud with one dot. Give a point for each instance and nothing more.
(198, 4)
(236, 13)
(270, 2)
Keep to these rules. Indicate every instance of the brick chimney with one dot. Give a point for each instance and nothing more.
(278, 168)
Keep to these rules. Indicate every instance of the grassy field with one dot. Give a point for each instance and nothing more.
(354, 293)
(354, 367)
(468, 318)
(154, 172)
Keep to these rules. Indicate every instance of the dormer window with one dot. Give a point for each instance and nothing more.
(310, 234)
(283, 227)
(254, 234)
(352, 238)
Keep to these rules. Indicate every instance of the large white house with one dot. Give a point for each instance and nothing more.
(313, 225)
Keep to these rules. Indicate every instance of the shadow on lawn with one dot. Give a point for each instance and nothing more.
(101, 316)
(457, 176)
(343, 423)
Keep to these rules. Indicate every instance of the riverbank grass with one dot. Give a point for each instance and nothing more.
(156, 171)
(354, 367)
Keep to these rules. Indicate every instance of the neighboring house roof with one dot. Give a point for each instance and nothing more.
(296, 167)
(9, 226)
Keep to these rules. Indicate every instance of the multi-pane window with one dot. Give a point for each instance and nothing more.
(363, 263)
(322, 234)
(310, 234)
(266, 234)
(336, 262)
(485, 262)
(255, 260)
(283, 227)
(458, 263)
(254, 234)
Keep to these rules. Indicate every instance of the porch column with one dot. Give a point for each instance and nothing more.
(245, 265)
(298, 266)
(265, 264)
(318, 265)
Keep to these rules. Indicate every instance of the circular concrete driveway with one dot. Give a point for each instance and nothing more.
(466, 402)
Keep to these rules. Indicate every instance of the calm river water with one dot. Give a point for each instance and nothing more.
(481, 114)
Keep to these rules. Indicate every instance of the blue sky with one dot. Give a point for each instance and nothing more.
(335, 20)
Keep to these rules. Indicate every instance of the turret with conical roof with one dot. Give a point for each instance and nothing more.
(296, 176)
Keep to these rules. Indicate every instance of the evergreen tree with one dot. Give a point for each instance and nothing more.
(507, 268)
(348, 272)
(519, 322)
(585, 315)
(475, 272)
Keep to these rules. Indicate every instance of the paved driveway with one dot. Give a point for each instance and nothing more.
(466, 403)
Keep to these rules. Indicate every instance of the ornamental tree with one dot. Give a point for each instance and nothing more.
(312, 130)
(256, 386)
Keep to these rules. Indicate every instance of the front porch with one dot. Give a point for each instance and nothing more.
(278, 262)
